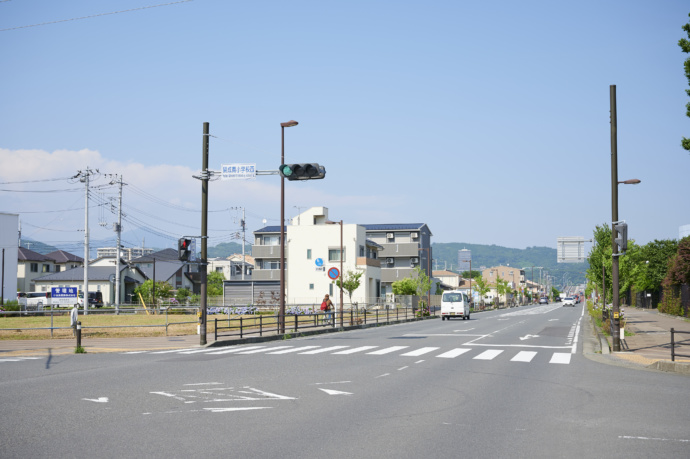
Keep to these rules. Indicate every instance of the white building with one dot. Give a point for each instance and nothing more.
(9, 242)
(313, 243)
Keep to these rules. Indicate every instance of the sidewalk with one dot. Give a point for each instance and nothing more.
(650, 346)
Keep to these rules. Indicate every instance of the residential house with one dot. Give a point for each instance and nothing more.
(65, 260)
(232, 267)
(164, 266)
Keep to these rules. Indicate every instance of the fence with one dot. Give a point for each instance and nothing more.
(242, 326)
(674, 344)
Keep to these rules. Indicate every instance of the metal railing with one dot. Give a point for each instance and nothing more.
(679, 343)
(242, 326)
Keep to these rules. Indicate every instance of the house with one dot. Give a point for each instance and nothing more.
(33, 265)
(65, 260)
(232, 266)
(405, 247)
(449, 280)
(101, 279)
(164, 266)
(312, 249)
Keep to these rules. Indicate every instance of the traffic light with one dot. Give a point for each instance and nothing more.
(622, 240)
(184, 249)
(304, 171)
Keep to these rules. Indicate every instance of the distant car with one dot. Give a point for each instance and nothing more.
(569, 301)
(543, 300)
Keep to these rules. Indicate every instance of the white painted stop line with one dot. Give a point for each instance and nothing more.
(296, 349)
(524, 356)
(488, 355)
(421, 351)
(560, 357)
(256, 351)
(452, 354)
(325, 349)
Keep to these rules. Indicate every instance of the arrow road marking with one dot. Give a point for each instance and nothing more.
(528, 337)
(97, 400)
(335, 392)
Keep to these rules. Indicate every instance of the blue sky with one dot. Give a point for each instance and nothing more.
(489, 121)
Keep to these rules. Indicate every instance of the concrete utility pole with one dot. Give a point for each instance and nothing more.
(615, 321)
(84, 176)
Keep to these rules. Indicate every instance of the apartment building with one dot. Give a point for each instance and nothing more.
(514, 276)
(312, 247)
(128, 253)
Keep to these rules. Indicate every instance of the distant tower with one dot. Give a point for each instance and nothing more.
(464, 260)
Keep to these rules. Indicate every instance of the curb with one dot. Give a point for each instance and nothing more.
(674, 367)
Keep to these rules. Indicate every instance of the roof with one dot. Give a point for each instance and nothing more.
(371, 243)
(446, 273)
(96, 273)
(162, 255)
(60, 256)
(164, 270)
(24, 254)
(270, 229)
(396, 227)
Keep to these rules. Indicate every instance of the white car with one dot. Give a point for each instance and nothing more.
(569, 301)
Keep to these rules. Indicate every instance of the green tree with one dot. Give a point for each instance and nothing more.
(406, 286)
(351, 282)
(182, 294)
(679, 265)
(473, 274)
(163, 290)
(422, 281)
(481, 286)
(601, 255)
(651, 264)
(502, 288)
(214, 286)
(685, 46)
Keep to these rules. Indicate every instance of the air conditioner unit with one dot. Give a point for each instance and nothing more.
(389, 261)
(415, 235)
(414, 260)
(389, 235)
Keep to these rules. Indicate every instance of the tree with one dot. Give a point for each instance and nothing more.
(406, 286)
(679, 266)
(351, 282)
(214, 285)
(651, 264)
(473, 274)
(502, 288)
(163, 290)
(481, 286)
(685, 46)
(422, 281)
(182, 294)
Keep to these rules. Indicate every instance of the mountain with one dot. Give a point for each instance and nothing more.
(445, 256)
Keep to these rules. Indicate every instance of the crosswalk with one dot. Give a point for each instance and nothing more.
(474, 353)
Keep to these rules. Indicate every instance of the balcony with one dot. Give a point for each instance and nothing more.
(267, 251)
(363, 261)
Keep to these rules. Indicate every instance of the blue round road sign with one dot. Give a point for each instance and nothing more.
(319, 262)
(333, 273)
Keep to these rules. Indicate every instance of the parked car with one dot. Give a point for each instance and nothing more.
(95, 299)
(569, 301)
(543, 300)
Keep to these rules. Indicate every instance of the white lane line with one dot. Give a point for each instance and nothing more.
(418, 352)
(454, 353)
(524, 356)
(326, 349)
(488, 355)
(560, 357)
(628, 437)
(402, 368)
(197, 351)
(382, 376)
(256, 351)
(139, 352)
(296, 349)
(10, 360)
(234, 349)
(355, 350)
(387, 350)
(577, 331)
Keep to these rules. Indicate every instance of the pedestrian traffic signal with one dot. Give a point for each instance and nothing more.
(621, 229)
(184, 249)
(304, 171)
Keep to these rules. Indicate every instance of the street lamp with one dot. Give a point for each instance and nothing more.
(281, 312)
(615, 329)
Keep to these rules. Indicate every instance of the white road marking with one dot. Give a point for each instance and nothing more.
(383, 375)
(355, 350)
(419, 352)
(296, 349)
(167, 351)
(402, 368)
(524, 356)
(628, 437)
(326, 349)
(255, 351)
(528, 337)
(454, 353)
(234, 349)
(387, 350)
(225, 410)
(488, 355)
(97, 400)
(203, 384)
(335, 392)
(560, 357)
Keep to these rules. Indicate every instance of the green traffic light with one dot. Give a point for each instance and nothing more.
(286, 170)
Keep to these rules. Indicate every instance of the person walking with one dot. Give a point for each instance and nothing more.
(327, 307)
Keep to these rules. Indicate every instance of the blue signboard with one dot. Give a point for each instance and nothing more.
(319, 262)
(63, 292)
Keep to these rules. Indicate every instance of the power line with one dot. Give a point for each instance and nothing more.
(94, 15)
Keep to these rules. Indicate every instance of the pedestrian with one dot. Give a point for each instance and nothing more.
(327, 307)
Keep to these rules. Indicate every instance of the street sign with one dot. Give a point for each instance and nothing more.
(319, 262)
(63, 295)
(570, 250)
(238, 171)
(333, 273)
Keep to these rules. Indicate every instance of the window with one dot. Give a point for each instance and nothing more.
(219, 269)
(334, 254)
(45, 268)
(272, 264)
(361, 251)
(311, 286)
(272, 239)
(57, 268)
(34, 267)
(308, 254)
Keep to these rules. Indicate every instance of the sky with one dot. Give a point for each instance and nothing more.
(488, 121)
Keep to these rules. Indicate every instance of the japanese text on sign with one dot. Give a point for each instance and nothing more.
(238, 171)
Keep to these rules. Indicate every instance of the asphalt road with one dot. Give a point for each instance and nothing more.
(511, 383)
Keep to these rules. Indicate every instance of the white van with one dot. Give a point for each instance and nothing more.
(455, 304)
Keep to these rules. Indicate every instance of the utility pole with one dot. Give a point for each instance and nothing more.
(204, 220)
(615, 321)
(84, 176)
(118, 230)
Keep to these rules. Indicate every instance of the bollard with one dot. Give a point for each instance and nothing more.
(78, 334)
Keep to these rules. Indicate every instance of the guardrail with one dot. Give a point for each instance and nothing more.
(674, 344)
